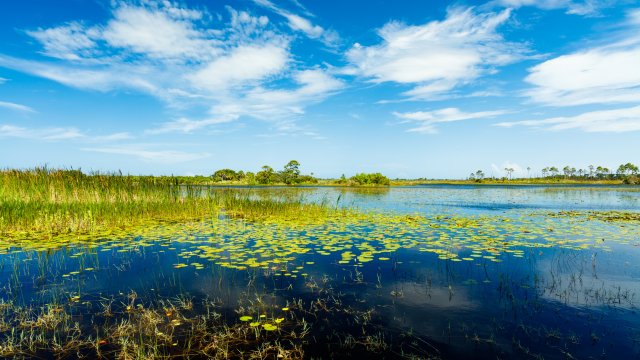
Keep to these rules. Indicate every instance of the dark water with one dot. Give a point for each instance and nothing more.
(489, 275)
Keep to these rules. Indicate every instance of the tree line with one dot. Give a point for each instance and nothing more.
(291, 175)
(628, 173)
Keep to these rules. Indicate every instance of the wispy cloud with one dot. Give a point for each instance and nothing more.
(438, 56)
(47, 134)
(16, 107)
(614, 121)
(187, 126)
(299, 23)
(606, 74)
(112, 137)
(584, 7)
(58, 134)
(426, 120)
(162, 156)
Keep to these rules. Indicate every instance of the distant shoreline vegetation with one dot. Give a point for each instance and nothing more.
(289, 175)
(625, 174)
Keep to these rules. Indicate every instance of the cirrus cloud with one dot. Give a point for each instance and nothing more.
(426, 120)
(612, 121)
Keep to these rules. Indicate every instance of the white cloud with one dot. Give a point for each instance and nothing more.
(426, 120)
(302, 24)
(312, 86)
(274, 105)
(187, 126)
(246, 63)
(70, 42)
(112, 137)
(47, 134)
(585, 7)
(163, 156)
(58, 134)
(16, 107)
(600, 75)
(616, 121)
(158, 33)
(437, 56)
(93, 78)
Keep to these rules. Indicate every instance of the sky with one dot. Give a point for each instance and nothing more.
(409, 88)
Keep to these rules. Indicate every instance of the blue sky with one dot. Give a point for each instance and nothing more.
(408, 88)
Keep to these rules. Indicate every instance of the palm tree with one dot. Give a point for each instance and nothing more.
(509, 172)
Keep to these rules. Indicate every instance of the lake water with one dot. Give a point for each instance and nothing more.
(451, 272)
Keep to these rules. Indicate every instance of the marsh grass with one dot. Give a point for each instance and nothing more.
(68, 201)
(45, 202)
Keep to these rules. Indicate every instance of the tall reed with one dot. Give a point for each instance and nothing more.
(53, 202)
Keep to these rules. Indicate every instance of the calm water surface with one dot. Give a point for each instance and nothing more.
(501, 299)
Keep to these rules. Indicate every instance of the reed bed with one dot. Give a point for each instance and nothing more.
(50, 202)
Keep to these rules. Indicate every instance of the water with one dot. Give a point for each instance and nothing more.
(484, 272)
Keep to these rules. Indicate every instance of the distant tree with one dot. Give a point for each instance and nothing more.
(472, 176)
(480, 174)
(591, 171)
(250, 178)
(370, 179)
(627, 169)
(545, 172)
(554, 171)
(225, 175)
(509, 171)
(528, 171)
(291, 173)
(266, 175)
